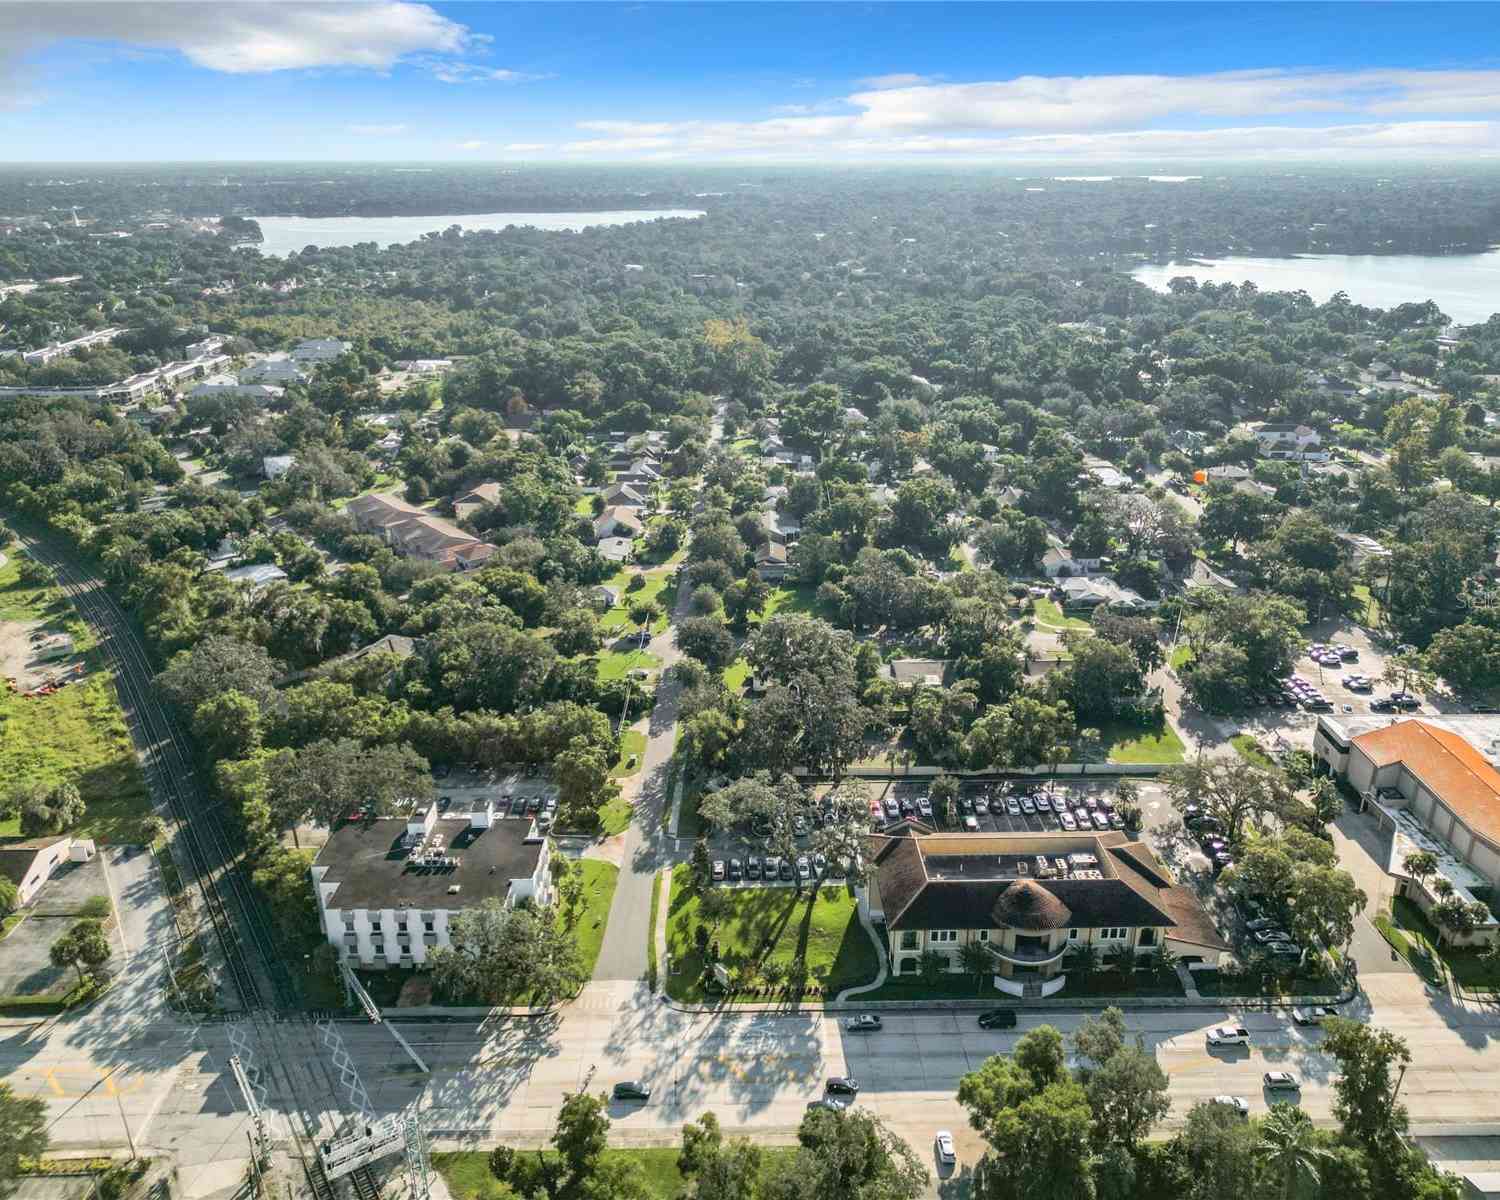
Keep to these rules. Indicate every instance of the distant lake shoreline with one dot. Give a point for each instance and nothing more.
(286, 235)
(1465, 286)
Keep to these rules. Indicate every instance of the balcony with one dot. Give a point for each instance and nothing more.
(1028, 956)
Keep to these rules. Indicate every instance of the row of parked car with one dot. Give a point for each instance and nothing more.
(804, 867)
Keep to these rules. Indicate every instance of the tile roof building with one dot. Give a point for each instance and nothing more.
(1432, 788)
(1030, 899)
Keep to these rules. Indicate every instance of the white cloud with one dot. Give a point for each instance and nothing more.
(379, 130)
(472, 144)
(243, 37)
(893, 81)
(467, 72)
(526, 147)
(1240, 113)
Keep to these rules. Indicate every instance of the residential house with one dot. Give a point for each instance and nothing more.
(256, 575)
(416, 532)
(425, 366)
(625, 495)
(388, 890)
(29, 862)
(1228, 473)
(476, 499)
(771, 562)
(1105, 474)
(1090, 591)
(274, 466)
(920, 672)
(1201, 576)
(606, 597)
(1030, 899)
(1273, 437)
(616, 549)
(616, 521)
(1059, 562)
(226, 385)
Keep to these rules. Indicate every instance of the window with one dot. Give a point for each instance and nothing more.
(910, 939)
(1147, 938)
(1113, 935)
(1072, 935)
(908, 966)
(939, 936)
(984, 935)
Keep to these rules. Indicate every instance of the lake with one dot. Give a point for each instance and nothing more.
(286, 234)
(1465, 286)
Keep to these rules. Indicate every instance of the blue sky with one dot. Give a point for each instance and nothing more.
(397, 80)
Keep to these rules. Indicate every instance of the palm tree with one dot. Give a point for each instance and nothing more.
(1121, 958)
(977, 960)
(1161, 964)
(1084, 960)
(1420, 865)
(1287, 1148)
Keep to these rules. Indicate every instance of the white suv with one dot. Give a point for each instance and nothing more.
(1229, 1035)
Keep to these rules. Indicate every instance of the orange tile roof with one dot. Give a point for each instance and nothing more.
(1451, 768)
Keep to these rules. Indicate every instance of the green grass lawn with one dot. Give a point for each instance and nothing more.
(1367, 608)
(1049, 613)
(618, 618)
(967, 987)
(632, 741)
(772, 924)
(651, 930)
(1180, 657)
(584, 506)
(77, 735)
(1132, 744)
(1250, 750)
(600, 879)
(1416, 940)
(788, 599)
(737, 675)
(613, 664)
(468, 1175)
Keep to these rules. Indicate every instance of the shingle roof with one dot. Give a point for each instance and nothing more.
(1457, 773)
(955, 881)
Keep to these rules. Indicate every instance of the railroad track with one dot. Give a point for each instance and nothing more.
(239, 921)
(212, 861)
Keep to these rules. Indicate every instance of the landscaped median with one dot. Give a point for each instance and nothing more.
(1413, 937)
(467, 1172)
(773, 941)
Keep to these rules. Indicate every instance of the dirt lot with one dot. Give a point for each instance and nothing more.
(19, 658)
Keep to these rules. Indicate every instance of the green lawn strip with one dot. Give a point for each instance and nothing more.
(1180, 657)
(787, 599)
(957, 986)
(1132, 744)
(689, 823)
(600, 879)
(1250, 750)
(1416, 939)
(468, 1176)
(1048, 613)
(1229, 987)
(632, 741)
(76, 735)
(651, 930)
(737, 675)
(1368, 608)
(772, 924)
(613, 664)
(10, 922)
(584, 505)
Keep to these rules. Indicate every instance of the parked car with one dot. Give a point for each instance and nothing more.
(1028, 806)
(945, 1152)
(1238, 1103)
(804, 868)
(998, 1018)
(982, 806)
(842, 1085)
(718, 870)
(1313, 1015)
(1042, 803)
(1284, 950)
(786, 871)
(924, 807)
(1066, 820)
(965, 804)
(1281, 1081)
(1101, 821)
(1013, 806)
(1258, 924)
(1272, 933)
(752, 868)
(829, 1104)
(864, 1023)
(632, 1089)
(1229, 1035)
(971, 824)
(1405, 701)
(820, 864)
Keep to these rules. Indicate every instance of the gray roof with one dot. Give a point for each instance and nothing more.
(368, 862)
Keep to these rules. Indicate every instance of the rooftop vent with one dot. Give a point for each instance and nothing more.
(454, 888)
